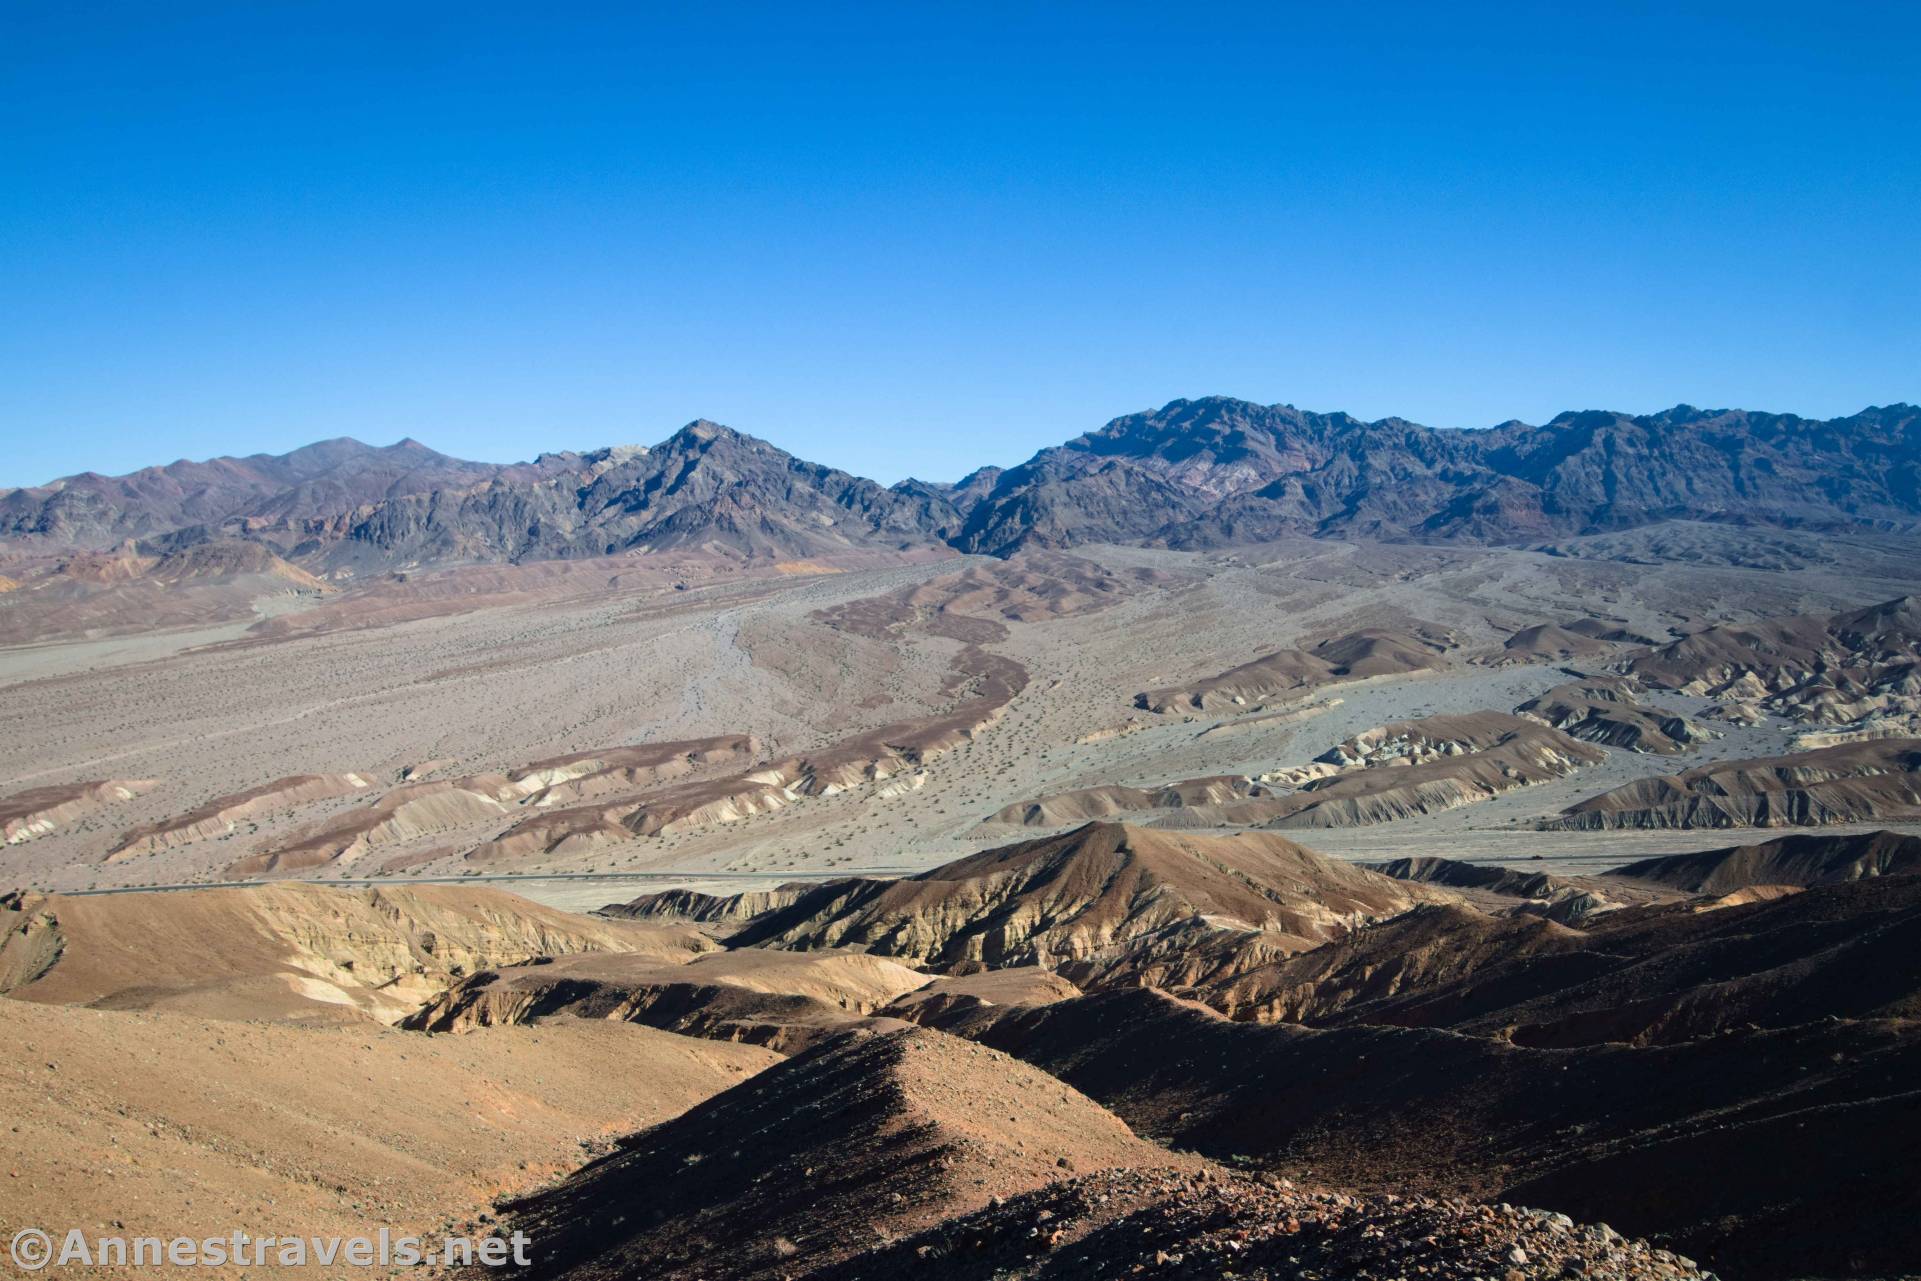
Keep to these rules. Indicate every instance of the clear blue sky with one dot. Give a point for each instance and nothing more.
(912, 238)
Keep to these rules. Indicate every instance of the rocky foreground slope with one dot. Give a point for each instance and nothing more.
(908, 1152)
(1772, 1153)
(1216, 1224)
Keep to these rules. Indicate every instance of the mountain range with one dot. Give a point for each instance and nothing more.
(1205, 473)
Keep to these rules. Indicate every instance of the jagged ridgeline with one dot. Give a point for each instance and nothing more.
(1195, 474)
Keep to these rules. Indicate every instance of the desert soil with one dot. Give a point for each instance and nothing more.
(535, 676)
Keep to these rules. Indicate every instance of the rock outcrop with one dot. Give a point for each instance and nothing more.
(1583, 638)
(1853, 783)
(40, 810)
(1825, 669)
(1407, 768)
(725, 910)
(1607, 710)
(1067, 896)
(1083, 804)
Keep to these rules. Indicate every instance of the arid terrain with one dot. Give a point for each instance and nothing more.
(1185, 853)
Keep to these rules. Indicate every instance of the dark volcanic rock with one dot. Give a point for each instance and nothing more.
(1217, 471)
(707, 486)
(323, 479)
(1194, 474)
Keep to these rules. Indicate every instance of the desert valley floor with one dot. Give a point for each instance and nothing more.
(505, 667)
(587, 897)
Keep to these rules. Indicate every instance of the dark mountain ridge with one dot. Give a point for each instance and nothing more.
(1193, 474)
(1243, 472)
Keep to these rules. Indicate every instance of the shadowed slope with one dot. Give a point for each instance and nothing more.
(1792, 860)
(1704, 1145)
(866, 1135)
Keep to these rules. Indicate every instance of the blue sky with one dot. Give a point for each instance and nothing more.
(910, 239)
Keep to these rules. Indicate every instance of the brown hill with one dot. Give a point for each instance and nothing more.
(975, 603)
(1852, 783)
(866, 1136)
(152, 1124)
(1443, 762)
(406, 813)
(572, 794)
(1587, 638)
(1791, 860)
(1243, 976)
(1066, 896)
(981, 685)
(944, 996)
(1083, 804)
(111, 593)
(1562, 898)
(290, 951)
(229, 558)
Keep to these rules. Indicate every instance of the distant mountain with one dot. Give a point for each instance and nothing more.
(332, 476)
(343, 503)
(1195, 474)
(1216, 472)
(705, 486)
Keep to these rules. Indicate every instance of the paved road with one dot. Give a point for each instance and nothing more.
(704, 874)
